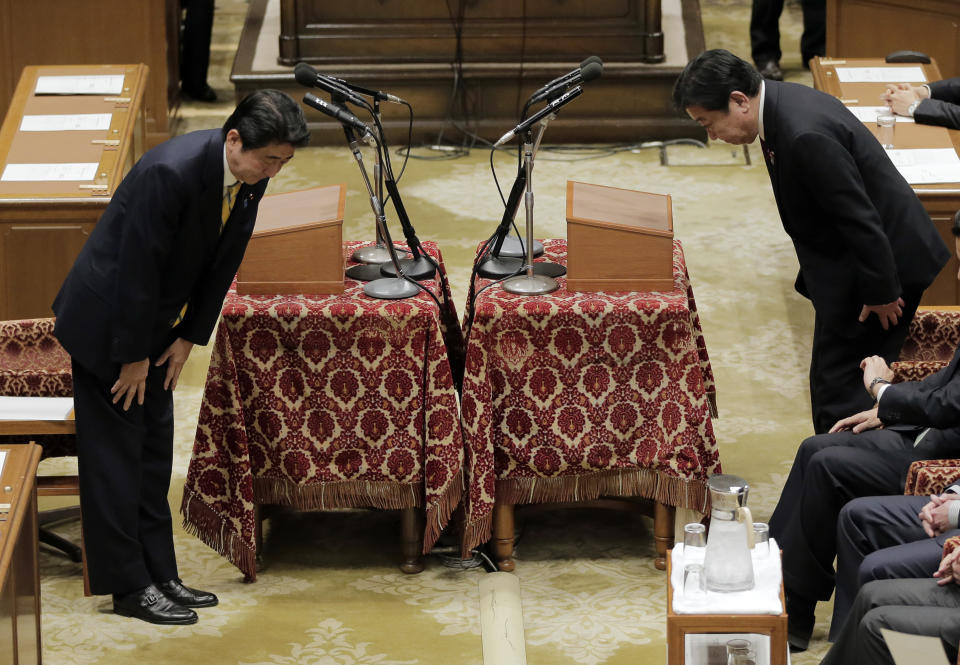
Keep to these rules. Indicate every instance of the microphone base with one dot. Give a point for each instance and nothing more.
(393, 288)
(374, 254)
(512, 247)
(495, 268)
(418, 270)
(365, 272)
(527, 285)
(548, 269)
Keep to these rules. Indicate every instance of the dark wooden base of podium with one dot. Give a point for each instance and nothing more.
(631, 102)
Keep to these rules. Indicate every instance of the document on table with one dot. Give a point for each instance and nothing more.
(106, 84)
(35, 408)
(881, 74)
(870, 113)
(47, 172)
(910, 649)
(67, 122)
(927, 166)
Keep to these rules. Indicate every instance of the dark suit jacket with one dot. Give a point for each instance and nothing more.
(157, 246)
(861, 234)
(933, 402)
(942, 108)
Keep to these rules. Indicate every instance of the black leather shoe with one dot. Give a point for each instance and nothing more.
(204, 94)
(799, 622)
(149, 605)
(185, 596)
(771, 70)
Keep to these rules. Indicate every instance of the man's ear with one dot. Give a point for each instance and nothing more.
(740, 99)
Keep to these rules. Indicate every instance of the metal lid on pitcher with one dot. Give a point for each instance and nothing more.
(727, 492)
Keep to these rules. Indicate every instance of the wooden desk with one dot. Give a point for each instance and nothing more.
(941, 201)
(864, 28)
(19, 568)
(679, 625)
(53, 32)
(43, 225)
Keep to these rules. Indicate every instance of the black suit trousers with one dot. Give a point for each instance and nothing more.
(879, 538)
(836, 380)
(915, 606)
(765, 30)
(125, 460)
(830, 470)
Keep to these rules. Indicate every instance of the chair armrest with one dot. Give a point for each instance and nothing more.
(931, 476)
(915, 370)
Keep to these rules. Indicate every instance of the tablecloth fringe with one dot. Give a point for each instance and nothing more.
(212, 529)
(438, 514)
(340, 494)
(647, 483)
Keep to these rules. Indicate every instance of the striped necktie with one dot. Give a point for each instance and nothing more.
(228, 200)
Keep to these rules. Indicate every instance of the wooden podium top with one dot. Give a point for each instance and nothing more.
(112, 149)
(300, 210)
(625, 209)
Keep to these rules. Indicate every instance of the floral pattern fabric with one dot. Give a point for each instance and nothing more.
(325, 402)
(570, 396)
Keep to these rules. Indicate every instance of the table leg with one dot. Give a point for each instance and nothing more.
(663, 518)
(412, 525)
(503, 536)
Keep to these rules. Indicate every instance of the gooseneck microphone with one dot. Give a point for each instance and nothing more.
(310, 77)
(336, 112)
(565, 98)
(573, 77)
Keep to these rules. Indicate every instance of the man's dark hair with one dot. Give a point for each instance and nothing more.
(268, 116)
(708, 80)
(955, 227)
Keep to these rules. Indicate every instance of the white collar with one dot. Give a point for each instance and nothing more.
(763, 90)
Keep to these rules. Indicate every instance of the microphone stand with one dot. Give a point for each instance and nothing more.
(374, 256)
(496, 266)
(530, 283)
(420, 266)
(392, 288)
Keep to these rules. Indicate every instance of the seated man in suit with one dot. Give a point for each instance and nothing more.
(924, 606)
(867, 454)
(148, 285)
(936, 103)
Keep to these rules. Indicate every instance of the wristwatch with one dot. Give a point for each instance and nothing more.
(874, 382)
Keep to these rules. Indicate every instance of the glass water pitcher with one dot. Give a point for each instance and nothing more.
(727, 564)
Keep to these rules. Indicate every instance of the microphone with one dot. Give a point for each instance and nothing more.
(337, 112)
(590, 72)
(542, 113)
(567, 79)
(311, 78)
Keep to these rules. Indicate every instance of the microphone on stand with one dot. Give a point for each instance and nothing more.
(590, 72)
(311, 78)
(336, 112)
(567, 79)
(563, 99)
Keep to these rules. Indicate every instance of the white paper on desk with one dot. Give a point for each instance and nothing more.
(926, 166)
(66, 123)
(49, 172)
(881, 75)
(3, 460)
(870, 113)
(910, 649)
(35, 408)
(105, 84)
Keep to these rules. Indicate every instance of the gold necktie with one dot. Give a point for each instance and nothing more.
(228, 200)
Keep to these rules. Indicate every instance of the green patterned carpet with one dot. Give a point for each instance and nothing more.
(332, 593)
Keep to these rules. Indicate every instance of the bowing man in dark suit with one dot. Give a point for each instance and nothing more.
(867, 249)
(148, 285)
(936, 103)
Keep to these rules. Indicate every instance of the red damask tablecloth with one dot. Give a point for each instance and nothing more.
(326, 402)
(572, 396)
